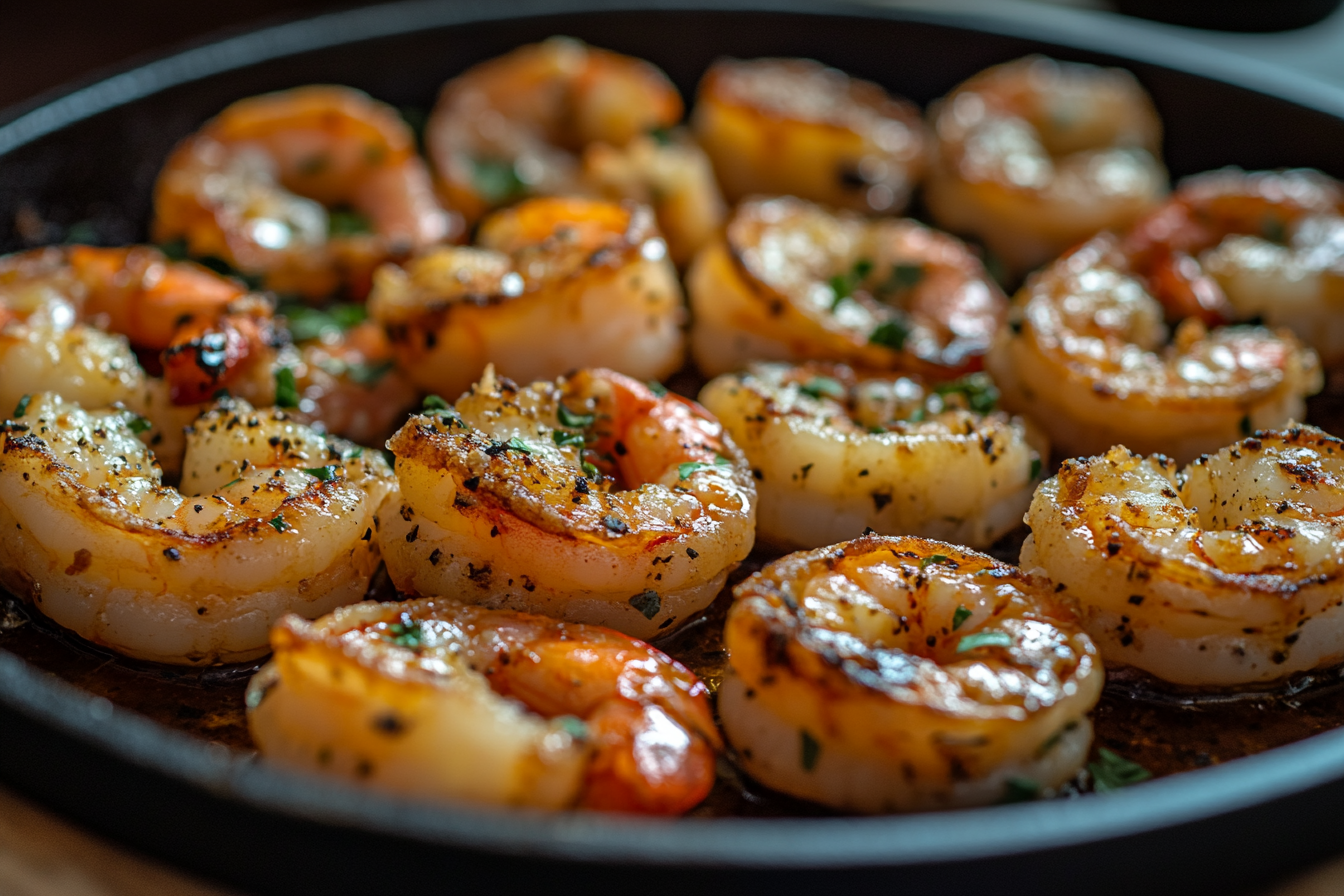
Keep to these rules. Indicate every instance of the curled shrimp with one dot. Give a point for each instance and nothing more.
(898, 674)
(271, 518)
(554, 284)
(1226, 572)
(264, 186)
(1088, 356)
(1036, 155)
(560, 117)
(438, 699)
(835, 454)
(790, 281)
(590, 499)
(796, 127)
(1231, 245)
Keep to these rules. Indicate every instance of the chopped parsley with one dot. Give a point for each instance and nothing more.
(139, 424)
(574, 726)
(306, 323)
(22, 407)
(656, 388)
(648, 603)
(810, 750)
(960, 615)
(1020, 790)
(407, 633)
(355, 452)
(434, 405)
(286, 389)
(823, 385)
(517, 444)
(573, 420)
(890, 333)
(1273, 230)
(901, 278)
(564, 439)
(843, 285)
(977, 388)
(985, 639)
(1112, 771)
(232, 483)
(363, 373)
(1246, 425)
(323, 474)
(685, 470)
(592, 472)
(1035, 467)
(278, 522)
(661, 136)
(347, 222)
(496, 180)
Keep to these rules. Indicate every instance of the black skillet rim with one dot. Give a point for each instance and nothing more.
(66, 712)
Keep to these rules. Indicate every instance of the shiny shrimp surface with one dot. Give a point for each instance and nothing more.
(590, 499)
(792, 281)
(271, 518)
(798, 128)
(309, 188)
(835, 453)
(1089, 356)
(442, 700)
(552, 284)
(1036, 155)
(897, 674)
(1226, 572)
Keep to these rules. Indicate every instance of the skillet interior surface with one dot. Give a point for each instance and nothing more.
(90, 158)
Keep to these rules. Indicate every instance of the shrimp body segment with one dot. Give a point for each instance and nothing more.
(438, 699)
(258, 184)
(271, 518)
(590, 499)
(835, 454)
(1225, 573)
(553, 284)
(1087, 356)
(899, 674)
(796, 127)
(791, 281)
(1036, 155)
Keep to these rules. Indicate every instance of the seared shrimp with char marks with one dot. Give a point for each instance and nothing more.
(310, 188)
(1227, 572)
(835, 453)
(553, 284)
(900, 674)
(791, 281)
(438, 699)
(590, 499)
(796, 127)
(1088, 356)
(271, 518)
(1036, 155)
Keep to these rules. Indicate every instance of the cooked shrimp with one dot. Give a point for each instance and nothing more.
(790, 281)
(590, 499)
(1087, 357)
(795, 127)
(835, 453)
(670, 174)
(554, 284)
(897, 674)
(1036, 155)
(255, 185)
(513, 126)
(271, 518)
(1227, 572)
(438, 699)
(1231, 245)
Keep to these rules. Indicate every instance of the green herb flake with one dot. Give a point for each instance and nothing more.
(347, 222)
(497, 180)
(278, 523)
(843, 285)
(902, 278)
(1246, 425)
(960, 615)
(592, 472)
(661, 136)
(434, 403)
(685, 470)
(306, 323)
(933, 559)
(820, 386)
(985, 639)
(324, 474)
(1053, 740)
(574, 726)
(977, 388)
(229, 485)
(573, 420)
(917, 415)
(286, 389)
(647, 603)
(366, 374)
(355, 452)
(1273, 230)
(890, 333)
(1020, 790)
(810, 750)
(22, 407)
(517, 444)
(139, 424)
(175, 250)
(657, 388)
(1113, 771)
(407, 632)
(564, 439)
(1035, 468)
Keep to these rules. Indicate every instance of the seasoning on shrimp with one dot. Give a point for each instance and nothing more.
(590, 499)
(1224, 573)
(271, 518)
(438, 699)
(835, 453)
(1231, 245)
(899, 674)
(310, 189)
(553, 284)
(560, 117)
(1036, 155)
(1089, 358)
(791, 281)
(795, 127)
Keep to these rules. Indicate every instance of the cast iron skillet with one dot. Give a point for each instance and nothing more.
(91, 155)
